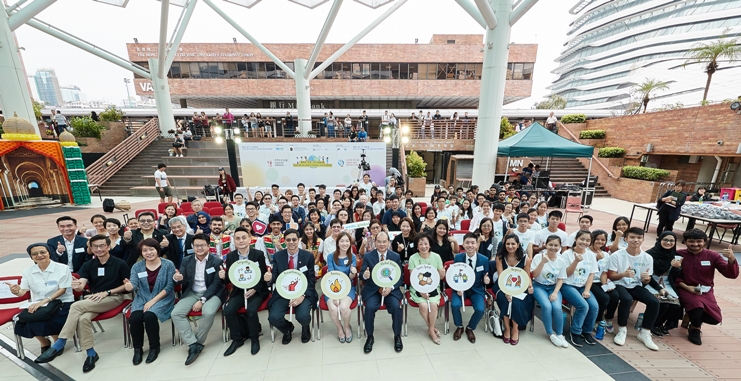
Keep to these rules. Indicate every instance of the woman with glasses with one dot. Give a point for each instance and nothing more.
(666, 269)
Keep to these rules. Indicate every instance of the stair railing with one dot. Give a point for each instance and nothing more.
(595, 159)
(104, 168)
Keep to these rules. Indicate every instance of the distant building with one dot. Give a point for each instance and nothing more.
(72, 93)
(48, 87)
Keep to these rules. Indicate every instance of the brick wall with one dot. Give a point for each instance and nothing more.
(112, 136)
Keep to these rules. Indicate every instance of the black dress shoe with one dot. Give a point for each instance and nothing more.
(368, 347)
(48, 355)
(255, 346)
(194, 350)
(398, 346)
(305, 334)
(233, 347)
(153, 353)
(90, 363)
(137, 356)
(288, 336)
(46, 348)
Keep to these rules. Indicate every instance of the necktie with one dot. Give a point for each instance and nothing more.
(470, 262)
(290, 262)
(383, 257)
(182, 244)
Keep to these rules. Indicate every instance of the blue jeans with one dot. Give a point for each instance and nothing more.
(330, 131)
(477, 300)
(586, 309)
(552, 314)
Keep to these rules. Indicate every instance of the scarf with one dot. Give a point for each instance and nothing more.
(205, 227)
(662, 257)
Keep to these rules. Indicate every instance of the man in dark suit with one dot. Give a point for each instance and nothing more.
(292, 257)
(203, 291)
(180, 243)
(371, 293)
(476, 294)
(246, 326)
(71, 249)
(146, 230)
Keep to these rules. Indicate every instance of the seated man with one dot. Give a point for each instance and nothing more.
(105, 276)
(71, 249)
(182, 242)
(292, 257)
(371, 293)
(477, 293)
(274, 240)
(203, 291)
(197, 206)
(219, 244)
(242, 327)
(695, 285)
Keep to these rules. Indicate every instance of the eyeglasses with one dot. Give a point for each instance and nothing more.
(291, 240)
(99, 247)
(200, 246)
(668, 240)
(146, 221)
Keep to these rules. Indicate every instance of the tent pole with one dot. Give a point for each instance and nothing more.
(506, 170)
(589, 175)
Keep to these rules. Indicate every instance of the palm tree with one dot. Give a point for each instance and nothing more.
(645, 89)
(554, 102)
(710, 53)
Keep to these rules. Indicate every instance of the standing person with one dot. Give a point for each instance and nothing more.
(364, 121)
(342, 259)
(196, 123)
(105, 276)
(253, 124)
(670, 206)
(427, 124)
(348, 125)
(228, 118)
(61, 122)
(151, 280)
(243, 327)
(427, 303)
(548, 273)
(476, 294)
(227, 184)
(331, 122)
(204, 124)
(289, 130)
(269, 127)
(552, 123)
(70, 247)
(162, 184)
(581, 264)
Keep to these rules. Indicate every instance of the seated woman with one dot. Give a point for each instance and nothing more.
(607, 300)
(617, 241)
(511, 255)
(666, 269)
(50, 284)
(426, 257)
(443, 244)
(164, 222)
(231, 221)
(695, 284)
(581, 265)
(427, 225)
(177, 146)
(488, 244)
(549, 272)
(151, 280)
(113, 227)
(342, 259)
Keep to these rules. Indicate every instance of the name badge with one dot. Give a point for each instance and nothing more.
(411, 245)
(210, 270)
(303, 269)
(52, 283)
(80, 250)
(479, 268)
(490, 247)
(316, 269)
(142, 274)
(101, 271)
(190, 251)
(705, 263)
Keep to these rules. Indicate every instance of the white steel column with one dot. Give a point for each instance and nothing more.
(162, 97)
(14, 94)
(162, 48)
(28, 12)
(179, 32)
(303, 96)
(322, 37)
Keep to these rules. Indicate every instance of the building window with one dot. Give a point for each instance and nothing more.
(451, 42)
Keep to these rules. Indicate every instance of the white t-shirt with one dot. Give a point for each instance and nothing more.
(499, 229)
(447, 213)
(160, 178)
(536, 227)
(543, 235)
(525, 238)
(621, 261)
(572, 239)
(542, 220)
(552, 271)
(240, 210)
(587, 266)
(602, 267)
(622, 244)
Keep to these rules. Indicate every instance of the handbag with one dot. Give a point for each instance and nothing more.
(41, 314)
(495, 322)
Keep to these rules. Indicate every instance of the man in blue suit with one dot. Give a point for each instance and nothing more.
(70, 248)
(477, 293)
(371, 293)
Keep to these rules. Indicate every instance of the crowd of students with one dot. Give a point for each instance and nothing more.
(599, 273)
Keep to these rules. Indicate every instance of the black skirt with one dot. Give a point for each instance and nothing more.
(49, 327)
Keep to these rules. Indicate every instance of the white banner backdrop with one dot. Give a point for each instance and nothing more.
(288, 164)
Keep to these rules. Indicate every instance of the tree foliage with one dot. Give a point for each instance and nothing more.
(709, 54)
(554, 102)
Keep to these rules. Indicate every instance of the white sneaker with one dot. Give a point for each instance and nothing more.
(555, 340)
(564, 343)
(621, 334)
(645, 336)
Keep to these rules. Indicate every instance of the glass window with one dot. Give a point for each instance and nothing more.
(203, 67)
(261, 73)
(366, 70)
(290, 65)
(478, 69)
(411, 71)
(230, 70)
(174, 70)
(356, 73)
(375, 70)
(346, 70)
(241, 70)
(321, 73)
(252, 70)
(527, 71)
(195, 72)
(517, 71)
(270, 71)
(395, 70)
(213, 69)
(441, 71)
(184, 70)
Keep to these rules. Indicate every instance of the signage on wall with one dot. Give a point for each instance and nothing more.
(146, 86)
(150, 52)
(281, 104)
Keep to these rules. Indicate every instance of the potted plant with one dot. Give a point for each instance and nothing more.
(612, 156)
(594, 138)
(111, 117)
(416, 171)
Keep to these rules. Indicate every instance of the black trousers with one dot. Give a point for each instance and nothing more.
(373, 304)
(144, 321)
(668, 312)
(279, 308)
(608, 301)
(243, 326)
(665, 223)
(627, 296)
(698, 316)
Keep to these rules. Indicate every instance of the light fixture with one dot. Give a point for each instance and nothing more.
(178, 3)
(387, 139)
(219, 140)
(117, 3)
(387, 131)
(238, 140)
(311, 4)
(236, 130)
(374, 3)
(405, 139)
(218, 130)
(244, 3)
(404, 129)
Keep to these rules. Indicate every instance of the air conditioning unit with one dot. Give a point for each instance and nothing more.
(695, 159)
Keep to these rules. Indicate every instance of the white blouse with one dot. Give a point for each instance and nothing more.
(44, 284)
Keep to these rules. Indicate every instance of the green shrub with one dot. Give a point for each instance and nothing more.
(573, 118)
(592, 134)
(85, 127)
(505, 129)
(415, 165)
(643, 173)
(111, 114)
(611, 152)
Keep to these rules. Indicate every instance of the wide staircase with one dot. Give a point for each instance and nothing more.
(569, 171)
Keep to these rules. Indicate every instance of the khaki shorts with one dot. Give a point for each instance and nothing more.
(164, 191)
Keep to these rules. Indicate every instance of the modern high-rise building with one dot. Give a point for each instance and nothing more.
(614, 45)
(72, 93)
(48, 87)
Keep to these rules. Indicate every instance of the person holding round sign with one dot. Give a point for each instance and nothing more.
(342, 260)
(516, 309)
(382, 276)
(301, 261)
(549, 272)
(426, 270)
(478, 265)
(244, 269)
(581, 264)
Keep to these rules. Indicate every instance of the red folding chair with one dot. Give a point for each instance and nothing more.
(465, 224)
(241, 311)
(104, 316)
(140, 211)
(216, 211)
(573, 205)
(322, 306)
(162, 205)
(212, 204)
(410, 302)
(187, 207)
(361, 309)
(9, 314)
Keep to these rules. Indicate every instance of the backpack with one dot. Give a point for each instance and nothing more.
(108, 205)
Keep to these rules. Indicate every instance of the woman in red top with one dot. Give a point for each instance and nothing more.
(227, 184)
(205, 125)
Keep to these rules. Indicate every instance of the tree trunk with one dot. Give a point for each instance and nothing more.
(645, 103)
(707, 86)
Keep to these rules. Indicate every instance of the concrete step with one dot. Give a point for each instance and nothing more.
(179, 192)
(212, 170)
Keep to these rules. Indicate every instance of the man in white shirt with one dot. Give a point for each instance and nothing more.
(161, 183)
(554, 218)
(524, 233)
(367, 184)
(485, 212)
(267, 207)
(551, 122)
(444, 212)
(379, 205)
(585, 223)
(239, 206)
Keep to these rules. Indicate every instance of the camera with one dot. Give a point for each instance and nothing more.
(364, 165)
(720, 142)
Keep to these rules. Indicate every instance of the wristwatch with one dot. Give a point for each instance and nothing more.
(108, 292)
(203, 299)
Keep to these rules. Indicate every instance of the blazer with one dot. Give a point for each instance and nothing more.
(78, 258)
(369, 261)
(256, 256)
(214, 284)
(481, 262)
(130, 255)
(305, 259)
(675, 211)
(173, 252)
(164, 281)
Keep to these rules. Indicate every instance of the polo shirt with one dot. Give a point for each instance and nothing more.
(104, 277)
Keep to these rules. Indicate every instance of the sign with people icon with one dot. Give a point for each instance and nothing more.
(424, 279)
(245, 274)
(514, 281)
(460, 277)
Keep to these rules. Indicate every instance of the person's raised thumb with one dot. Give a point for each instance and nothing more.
(177, 271)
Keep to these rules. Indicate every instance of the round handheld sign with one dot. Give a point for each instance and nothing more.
(386, 273)
(336, 285)
(514, 281)
(460, 276)
(245, 274)
(424, 279)
(291, 284)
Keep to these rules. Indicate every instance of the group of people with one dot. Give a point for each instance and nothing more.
(460, 126)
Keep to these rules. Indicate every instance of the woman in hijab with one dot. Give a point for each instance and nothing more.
(666, 269)
(203, 223)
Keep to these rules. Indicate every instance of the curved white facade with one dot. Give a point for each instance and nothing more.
(615, 44)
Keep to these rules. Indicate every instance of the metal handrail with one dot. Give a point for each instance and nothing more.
(595, 159)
